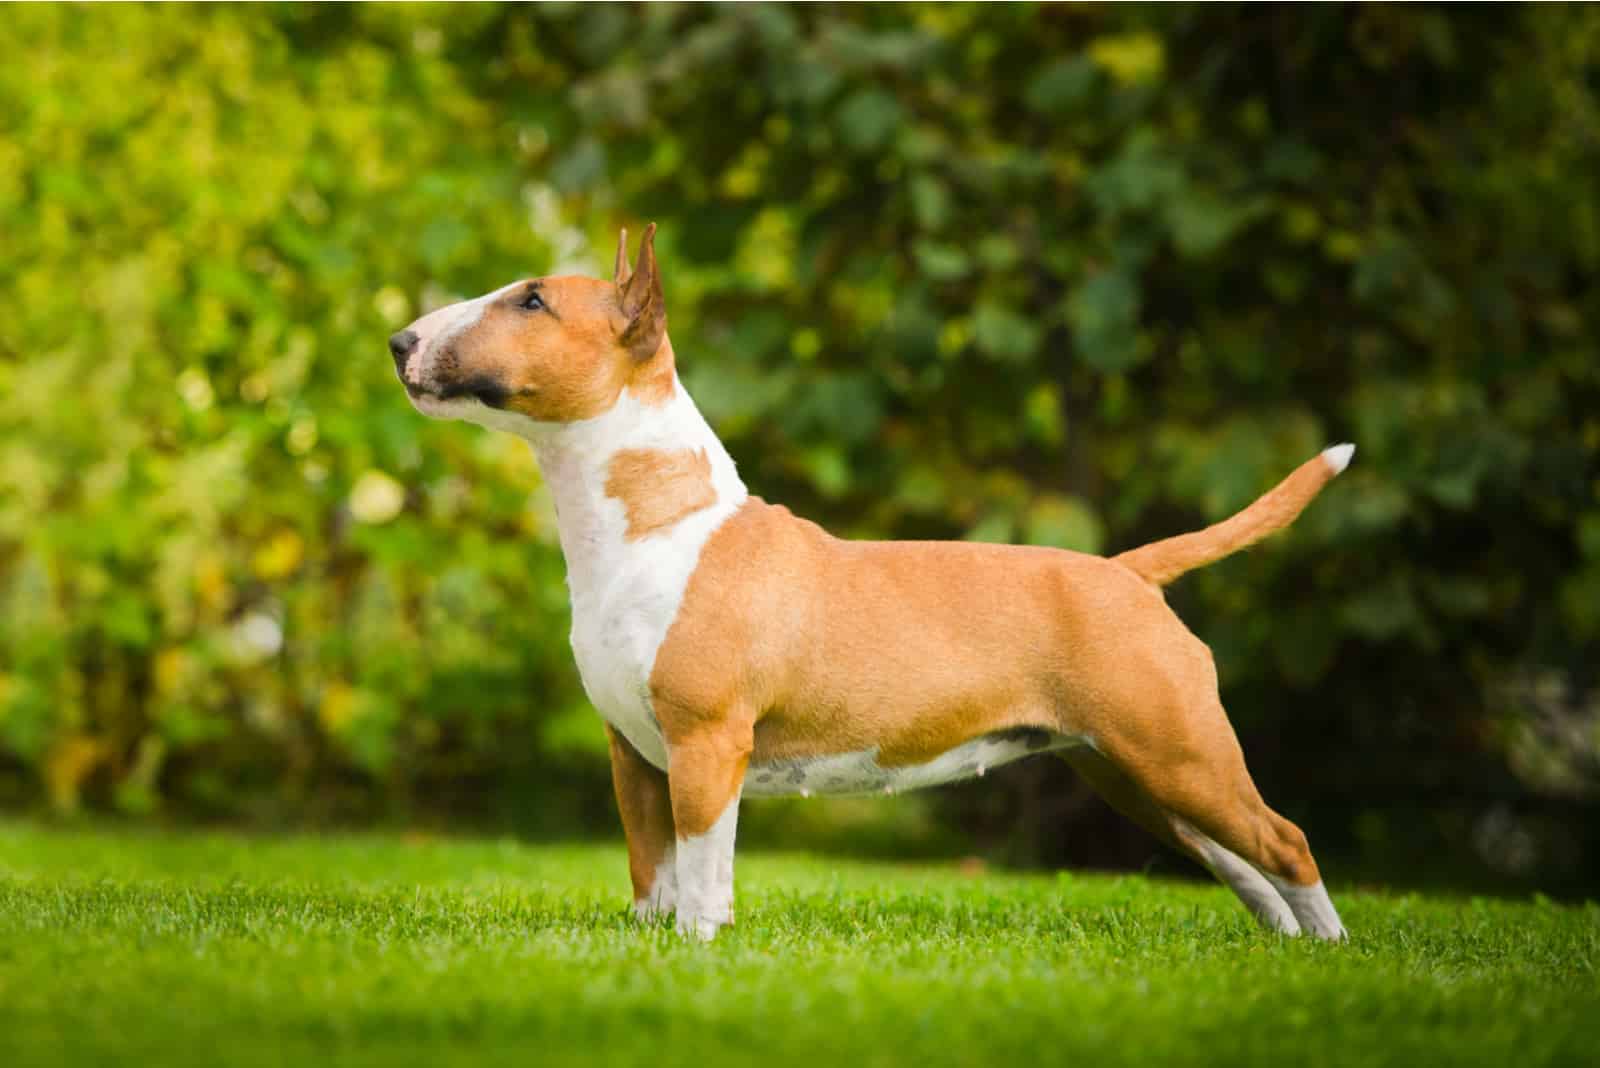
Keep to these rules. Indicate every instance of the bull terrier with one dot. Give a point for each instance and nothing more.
(735, 649)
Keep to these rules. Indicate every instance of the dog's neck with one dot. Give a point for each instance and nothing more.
(575, 459)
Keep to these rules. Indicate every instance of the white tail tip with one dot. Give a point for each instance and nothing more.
(1337, 457)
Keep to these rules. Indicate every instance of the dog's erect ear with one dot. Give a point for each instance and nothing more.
(641, 301)
(623, 274)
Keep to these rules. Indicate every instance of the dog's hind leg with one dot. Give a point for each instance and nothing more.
(1252, 888)
(1189, 761)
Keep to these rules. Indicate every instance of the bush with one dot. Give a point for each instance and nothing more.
(236, 566)
(1080, 277)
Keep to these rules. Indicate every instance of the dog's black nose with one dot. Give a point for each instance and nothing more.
(401, 345)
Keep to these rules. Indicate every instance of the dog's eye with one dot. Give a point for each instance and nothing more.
(533, 302)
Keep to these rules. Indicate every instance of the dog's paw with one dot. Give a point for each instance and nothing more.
(701, 928)
(662, 901)
(648, 910)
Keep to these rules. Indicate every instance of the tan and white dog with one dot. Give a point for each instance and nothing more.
(736, 649)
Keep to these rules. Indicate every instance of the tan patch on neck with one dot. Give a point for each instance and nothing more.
(658, 487)
(652, 381)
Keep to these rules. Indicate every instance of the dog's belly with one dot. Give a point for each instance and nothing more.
(860, 772)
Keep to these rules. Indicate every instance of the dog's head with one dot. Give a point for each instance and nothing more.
(550, 350)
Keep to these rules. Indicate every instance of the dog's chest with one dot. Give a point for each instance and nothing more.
(627, 587)
(621, 615)
(614, 640)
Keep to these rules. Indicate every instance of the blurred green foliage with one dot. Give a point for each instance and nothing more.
(1070, 275)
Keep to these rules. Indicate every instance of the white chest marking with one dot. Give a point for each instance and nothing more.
(860, 772)
(625, 594)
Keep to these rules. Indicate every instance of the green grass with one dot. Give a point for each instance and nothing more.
(210, 949)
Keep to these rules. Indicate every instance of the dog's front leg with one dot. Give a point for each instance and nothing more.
(646, 807)
(706, 774)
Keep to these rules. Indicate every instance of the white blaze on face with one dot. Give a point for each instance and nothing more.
(440, 327)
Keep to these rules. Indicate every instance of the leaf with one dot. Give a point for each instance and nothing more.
(279, 556)
(996, 527)
(1202, 222)
(930, 201)
(868, 118)
(1303, 645)
(376, 497)
(1143, 174)
(1061, 85)
(1043, 416)
(828, 470)
(942, 263)
(1065, 522)
(1102, 313)
(1386, 611)
(72, 759)
(1003, 332)
(576, 732)
(1131, 58)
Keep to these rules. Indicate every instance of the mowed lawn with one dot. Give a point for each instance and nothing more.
(170, 949)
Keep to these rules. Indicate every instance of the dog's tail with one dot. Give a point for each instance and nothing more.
(1163, 561)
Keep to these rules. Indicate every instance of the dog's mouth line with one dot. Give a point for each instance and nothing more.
(426, 398)
(430, 393)
(490, 396)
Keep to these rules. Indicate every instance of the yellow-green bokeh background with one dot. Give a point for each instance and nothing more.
(1073, 275)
